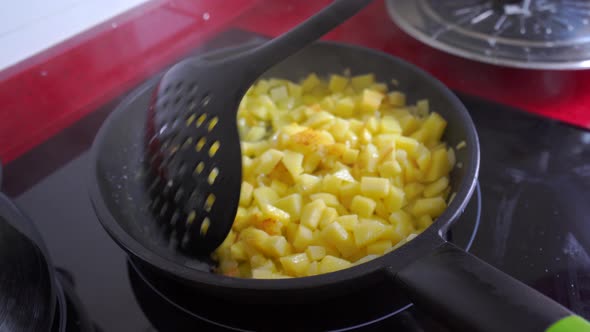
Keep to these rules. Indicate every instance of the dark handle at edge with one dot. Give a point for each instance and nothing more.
(469, 294)
(313, 28)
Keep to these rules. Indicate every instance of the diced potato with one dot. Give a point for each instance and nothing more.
(436, 187)
(331, 264)
(378, 247)
(293, 162)
(307, 184)
(335, 234)
(407, 144)
(315, 253)
(238, 252)
(335, 170)
(367, 232)
(328, 216)
(337, 83)
(310, 82)
(331, 184)
(369, 158)
(311, 213)
(246, 194)
(264, 195)
(276, 246)
(349, 156)
(242, 219)
(439, 166)
(423, 158)
(397, 98)
(432, 207)
(328, 199)
(374, 187)
(319, 119)
(361, 82)
(279, 93)
(270, 211)
(292, 204)
(363, 206)
(424, 222)
(395, 199)
(295, 265)
(311, 162)
(435, 126)
(262, 274)
(344, 107)
(400, 217)
(390, 125)
(254, 237)
(313, 269)
(268, 160)
(347, 221)
(303, 238)
(413, 190)
(371, 100)
(390, 169)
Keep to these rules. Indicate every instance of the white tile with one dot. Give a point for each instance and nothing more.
(28, 27)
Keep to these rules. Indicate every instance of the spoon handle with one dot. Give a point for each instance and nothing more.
(278, 49)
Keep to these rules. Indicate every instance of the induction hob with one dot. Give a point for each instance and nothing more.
(532, 222)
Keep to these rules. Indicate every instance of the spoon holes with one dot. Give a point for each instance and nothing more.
(213, 175)
(214, 148)
(199, 168)
(174, 219)
(188, 142)
(212, 123)
(201, 119)
(205, 100)
(190, 218)
(201, 143)
(179, 195)
(205, 226)
(209, 202)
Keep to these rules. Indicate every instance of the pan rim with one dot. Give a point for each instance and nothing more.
(423, 242)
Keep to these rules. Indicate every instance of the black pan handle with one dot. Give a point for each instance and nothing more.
(471, 295)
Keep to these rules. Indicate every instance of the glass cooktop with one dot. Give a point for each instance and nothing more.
(533, 222)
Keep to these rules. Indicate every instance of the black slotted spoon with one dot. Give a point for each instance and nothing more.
(194, 154)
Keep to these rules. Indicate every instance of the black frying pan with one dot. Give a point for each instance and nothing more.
(27, 283)
(457, 287)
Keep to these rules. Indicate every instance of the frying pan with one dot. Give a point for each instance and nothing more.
(453, 285)
(28, 292)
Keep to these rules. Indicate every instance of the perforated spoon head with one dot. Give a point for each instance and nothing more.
(194, 154)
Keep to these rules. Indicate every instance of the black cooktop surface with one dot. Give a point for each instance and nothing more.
(533, 224)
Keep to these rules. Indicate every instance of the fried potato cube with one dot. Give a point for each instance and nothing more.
(374, 187)
(315, 253)
(363, 206)
(433, 207)
(370, 100)
(311, 213)
(367, 232)
(331, 264)
(295, 265)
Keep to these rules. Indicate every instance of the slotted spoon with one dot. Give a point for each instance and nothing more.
(194, 154)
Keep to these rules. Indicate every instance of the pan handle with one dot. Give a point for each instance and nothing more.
(471, 295)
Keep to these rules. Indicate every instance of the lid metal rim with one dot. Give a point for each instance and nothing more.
(538, 65)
